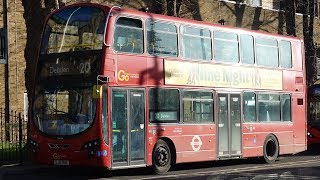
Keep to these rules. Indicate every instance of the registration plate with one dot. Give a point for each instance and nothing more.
(61, 162)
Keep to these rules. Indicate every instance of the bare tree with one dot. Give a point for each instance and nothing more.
(308, 10)
(290, 17)
(34, 15)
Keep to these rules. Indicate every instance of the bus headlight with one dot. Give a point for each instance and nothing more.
(309, 135)
(34, 146)
(92, 147)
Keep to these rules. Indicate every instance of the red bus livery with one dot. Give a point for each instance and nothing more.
(313, 115)
(120, 88)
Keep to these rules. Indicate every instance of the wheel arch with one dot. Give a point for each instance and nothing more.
(172, 149)
(271, 149)
(275, 136)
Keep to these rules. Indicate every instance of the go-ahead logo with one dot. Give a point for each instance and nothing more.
(55, 156)
(124, 76)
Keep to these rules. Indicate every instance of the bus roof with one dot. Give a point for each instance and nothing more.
(191, 22)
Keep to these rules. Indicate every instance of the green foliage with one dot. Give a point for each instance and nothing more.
(11, 152)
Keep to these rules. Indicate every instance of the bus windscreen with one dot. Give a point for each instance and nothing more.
(74, 29)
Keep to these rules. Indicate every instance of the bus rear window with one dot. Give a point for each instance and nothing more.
(163, 105)
(285, 52)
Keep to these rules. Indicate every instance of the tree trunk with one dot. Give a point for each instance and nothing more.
(290, 17)
(34, 14)
(308, 19)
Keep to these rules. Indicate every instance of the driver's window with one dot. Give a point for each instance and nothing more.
(128, 35)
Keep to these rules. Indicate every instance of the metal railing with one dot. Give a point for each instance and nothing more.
(13, 138)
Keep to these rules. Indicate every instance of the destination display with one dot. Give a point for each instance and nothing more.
(85, 66)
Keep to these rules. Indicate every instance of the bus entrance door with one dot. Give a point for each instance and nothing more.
(229, 125)
(128, 128)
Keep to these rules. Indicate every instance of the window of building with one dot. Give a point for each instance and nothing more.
(162, 38)
(249, 106)
(267, 52)
(197, 107)
(255, 2)
(285, 54)
(269, 107)
(226, 47)
(164, 105)
(196, 43)
(128, 35)
(246, 49)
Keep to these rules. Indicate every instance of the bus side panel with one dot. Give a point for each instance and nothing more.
(282, 131)
(192, 142)
(299, 121)
(249, 139)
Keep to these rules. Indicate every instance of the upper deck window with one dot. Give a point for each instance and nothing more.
(246, 49)
(162, 38)
(226, 48)
(267, 52)
(196, 43)
(74, 29)
(128, 35)
(286, 54)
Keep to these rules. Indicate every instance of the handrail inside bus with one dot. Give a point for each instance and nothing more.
(105, 29)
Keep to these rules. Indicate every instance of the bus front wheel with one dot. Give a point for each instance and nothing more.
(161, 157)
(270, 149)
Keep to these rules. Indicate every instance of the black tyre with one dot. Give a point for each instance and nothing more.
(270, 149)
(161, 157)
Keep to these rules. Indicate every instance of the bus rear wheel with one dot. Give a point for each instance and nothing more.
(161, 157)
(270, 149)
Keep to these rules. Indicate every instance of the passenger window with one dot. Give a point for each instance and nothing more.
(249, 106)
(226, 47)
(267, 52)
(105, 113)
(286, 54)
(246, 49)
(162, 38)
(164, 105)
(286, 107)
(128, 35)
(196, 43)
(269, 107)
(197, 107)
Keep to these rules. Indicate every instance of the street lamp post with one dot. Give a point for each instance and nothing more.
(6, 73)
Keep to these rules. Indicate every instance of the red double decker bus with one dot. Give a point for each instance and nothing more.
(120, 88)
(313, 115)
